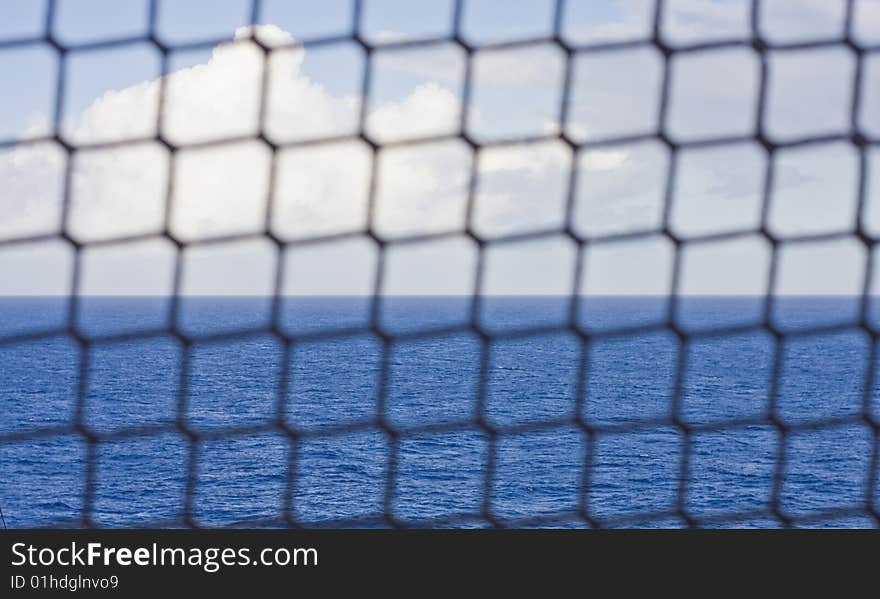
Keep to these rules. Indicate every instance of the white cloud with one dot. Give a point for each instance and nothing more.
(104, 203)
(322, 189)
(422, 189)
(522, 188)
(796, 20)
(690, 21)
(626, 20)
(32, 178)
(430, 109)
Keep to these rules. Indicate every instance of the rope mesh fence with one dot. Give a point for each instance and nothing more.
(855, 135)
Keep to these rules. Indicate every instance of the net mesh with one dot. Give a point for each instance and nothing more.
(854, 135)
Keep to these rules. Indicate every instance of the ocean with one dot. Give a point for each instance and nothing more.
(447, 469)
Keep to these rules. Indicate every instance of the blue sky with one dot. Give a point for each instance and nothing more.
(32, 69)
(111, 95)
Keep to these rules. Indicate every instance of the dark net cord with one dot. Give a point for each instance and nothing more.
(394, 434)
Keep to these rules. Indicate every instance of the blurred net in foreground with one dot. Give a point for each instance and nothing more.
(756, 123)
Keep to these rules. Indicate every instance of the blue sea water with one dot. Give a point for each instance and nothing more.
(334, 383)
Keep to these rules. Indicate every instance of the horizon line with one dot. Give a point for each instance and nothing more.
(435, 295)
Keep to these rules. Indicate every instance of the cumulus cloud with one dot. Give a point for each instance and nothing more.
(322, 189)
